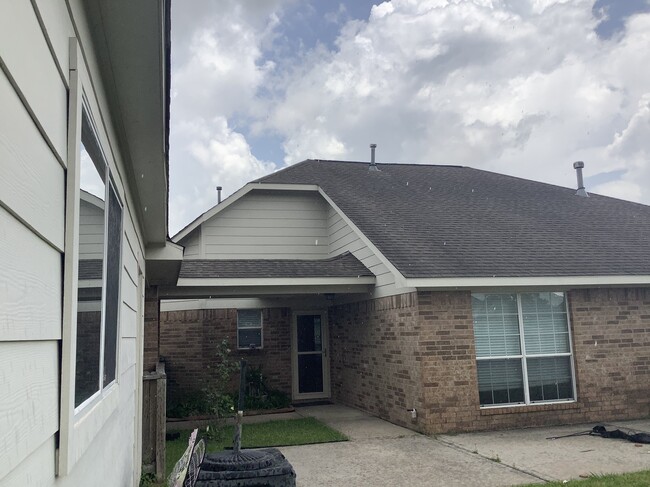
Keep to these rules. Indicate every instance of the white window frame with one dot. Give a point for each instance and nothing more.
(260, 327)
(523, 356)
(79, 426)
(108, 187)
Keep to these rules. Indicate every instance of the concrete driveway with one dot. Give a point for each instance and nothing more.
(380, 453)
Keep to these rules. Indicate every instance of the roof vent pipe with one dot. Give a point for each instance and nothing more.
(219, 188)
(373, 165)
(581, 185)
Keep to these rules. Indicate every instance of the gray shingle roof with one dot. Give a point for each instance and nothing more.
(451, 221)
(344, 265)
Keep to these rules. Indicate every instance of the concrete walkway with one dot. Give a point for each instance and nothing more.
(380, 453)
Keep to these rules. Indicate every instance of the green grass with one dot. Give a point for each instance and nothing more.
(637, 479)
(303, 431)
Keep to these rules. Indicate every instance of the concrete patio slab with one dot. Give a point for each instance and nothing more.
(560, 459)
(381, 453)
(353, 423)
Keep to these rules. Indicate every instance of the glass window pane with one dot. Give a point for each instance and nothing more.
(500, 381)
(545, 323)
(113, 274)
(310, 373)
(496, 325)
(90, 277)
(249, 318)
(249, 338)
(549, 379)
(309, 333)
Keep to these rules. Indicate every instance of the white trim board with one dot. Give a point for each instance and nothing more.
(278, 281)
(423, 284)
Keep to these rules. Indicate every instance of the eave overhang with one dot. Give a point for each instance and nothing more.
(132, 42)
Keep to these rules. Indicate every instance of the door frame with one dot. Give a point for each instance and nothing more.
(326, 394)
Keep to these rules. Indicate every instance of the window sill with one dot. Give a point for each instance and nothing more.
(529, 408)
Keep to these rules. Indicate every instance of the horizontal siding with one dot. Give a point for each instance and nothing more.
(31, 179)
(127, 360)
(344, 239)
(24, 51)
(91, 231)
(37, 469)
(30, 284)
(191, 244)
(29, 409)
(269, 225)
(58, 27)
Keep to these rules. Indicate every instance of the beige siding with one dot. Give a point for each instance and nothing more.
(269, 225)
(192, 244)
(91, 231)
(30, 284)
(58, 30)
(33, 128)
(31, 178)
(342, 239)
(29, 412)
(25, 52)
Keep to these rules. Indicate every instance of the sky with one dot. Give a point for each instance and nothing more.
(519, 87)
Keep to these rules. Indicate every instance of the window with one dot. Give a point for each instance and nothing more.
(100, 250)
(249, 328)
(523, 348)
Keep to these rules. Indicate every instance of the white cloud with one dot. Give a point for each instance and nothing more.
(215, 155)
(520, 88)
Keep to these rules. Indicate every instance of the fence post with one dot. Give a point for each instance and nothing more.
(154, 418)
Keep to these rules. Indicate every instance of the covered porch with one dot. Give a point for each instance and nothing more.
(272, 313)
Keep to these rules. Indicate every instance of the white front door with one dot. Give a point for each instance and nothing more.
(309, 355)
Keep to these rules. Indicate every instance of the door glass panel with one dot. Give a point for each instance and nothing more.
(310, 373)
(309, 333)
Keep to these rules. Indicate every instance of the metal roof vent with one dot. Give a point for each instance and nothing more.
(581, 185)
(219, 188)
(373, 164)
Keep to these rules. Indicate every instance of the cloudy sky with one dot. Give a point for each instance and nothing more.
(520, 87)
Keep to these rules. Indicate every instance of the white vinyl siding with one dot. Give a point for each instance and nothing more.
(33, 156)
(342, 239)
(31, 177)
(268, 225)
(192, 244)
(30, 303)
(91, 228)
(25, 52)
(523, 348)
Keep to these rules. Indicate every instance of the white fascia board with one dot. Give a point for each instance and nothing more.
(235, 197)
(400, 280)
(511, 282)
(169, 251)
(275, 281)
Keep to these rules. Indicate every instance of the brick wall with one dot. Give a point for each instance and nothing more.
(612, 377)
(188, 340)
(417, 350)
(375, 359)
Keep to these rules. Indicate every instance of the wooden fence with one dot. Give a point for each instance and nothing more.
(154, 417)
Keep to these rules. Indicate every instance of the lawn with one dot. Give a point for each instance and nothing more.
(303, 431)
(637, 479)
